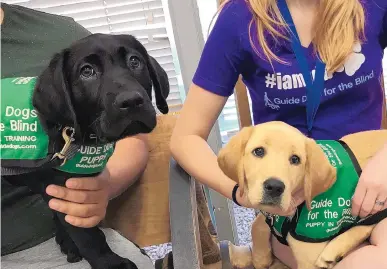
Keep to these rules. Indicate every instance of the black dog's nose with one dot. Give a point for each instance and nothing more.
(127, 100)
(274, 187)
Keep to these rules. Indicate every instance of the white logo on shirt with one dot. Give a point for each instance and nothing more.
(287, 82)
(353, 63)
(269, 103)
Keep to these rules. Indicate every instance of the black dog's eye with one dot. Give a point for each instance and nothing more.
(134, 62)
(294, 159)
(87, 71)
(259, 152)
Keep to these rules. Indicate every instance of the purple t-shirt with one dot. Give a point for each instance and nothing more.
(352, 98)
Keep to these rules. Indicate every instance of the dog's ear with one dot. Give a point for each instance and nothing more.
(52, 97)
(319, 173)
(230, 158)
(160, 84)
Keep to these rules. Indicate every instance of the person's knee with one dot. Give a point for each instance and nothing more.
(376, 255)
(379, 235)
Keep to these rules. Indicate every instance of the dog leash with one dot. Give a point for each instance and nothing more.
(314, 88)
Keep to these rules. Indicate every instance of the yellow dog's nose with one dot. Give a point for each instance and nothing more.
(273, 187)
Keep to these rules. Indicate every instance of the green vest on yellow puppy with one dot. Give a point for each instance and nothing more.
(330, 213)
(23, 138)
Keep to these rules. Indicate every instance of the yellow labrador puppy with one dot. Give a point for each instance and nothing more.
(271, 161)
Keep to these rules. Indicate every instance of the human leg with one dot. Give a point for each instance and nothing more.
(371, 256)
(47, 255)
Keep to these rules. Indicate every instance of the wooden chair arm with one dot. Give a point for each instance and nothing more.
(184, 224)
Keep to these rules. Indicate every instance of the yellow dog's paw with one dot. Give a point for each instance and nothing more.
(262, 261)
(240, 256)
(277, 264)
(328, 260)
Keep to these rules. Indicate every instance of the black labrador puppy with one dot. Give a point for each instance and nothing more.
(91, 95)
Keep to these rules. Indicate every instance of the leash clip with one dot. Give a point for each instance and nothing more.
(68, 138)
(269, 216)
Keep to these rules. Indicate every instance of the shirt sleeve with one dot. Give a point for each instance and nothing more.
(220, 63)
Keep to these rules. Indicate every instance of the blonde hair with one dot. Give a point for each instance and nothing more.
(340, 25)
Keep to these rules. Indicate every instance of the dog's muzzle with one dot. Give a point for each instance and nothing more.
(126, 114)
(127, 101)
(273, 189)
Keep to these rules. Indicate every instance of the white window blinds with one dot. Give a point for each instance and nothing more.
(144, 19)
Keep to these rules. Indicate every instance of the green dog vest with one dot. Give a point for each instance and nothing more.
(23, 140)
(330, 213)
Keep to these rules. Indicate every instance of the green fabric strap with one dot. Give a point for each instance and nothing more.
(89, 159)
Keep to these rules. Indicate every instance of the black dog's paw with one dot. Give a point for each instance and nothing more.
(113, 261)
(73, 257)
(68, 247)
(125, 264)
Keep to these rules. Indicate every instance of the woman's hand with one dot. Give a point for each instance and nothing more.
(371, 192)
(83, 200)
(297, 199)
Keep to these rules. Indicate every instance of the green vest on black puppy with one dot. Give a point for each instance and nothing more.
(23, 138)
(330, 213)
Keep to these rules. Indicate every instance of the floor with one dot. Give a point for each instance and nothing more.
(243, 218)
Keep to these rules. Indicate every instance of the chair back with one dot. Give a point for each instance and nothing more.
(141, 213)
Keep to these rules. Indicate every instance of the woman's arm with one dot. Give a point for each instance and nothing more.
(188, 142)
(127, 163)
(222, 61)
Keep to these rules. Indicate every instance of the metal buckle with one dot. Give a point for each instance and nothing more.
(269, 216)
(68, 140)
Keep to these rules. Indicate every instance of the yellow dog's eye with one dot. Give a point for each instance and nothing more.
(259, 152)
(294, 159)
